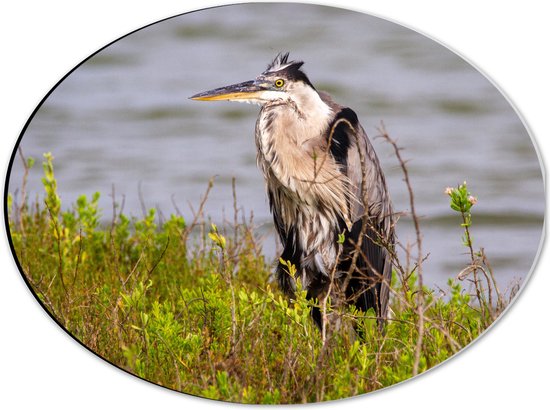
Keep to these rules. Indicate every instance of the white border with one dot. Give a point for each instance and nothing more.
(42, 366)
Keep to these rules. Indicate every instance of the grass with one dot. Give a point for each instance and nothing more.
(190, 306)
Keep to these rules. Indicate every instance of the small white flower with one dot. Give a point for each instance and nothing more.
(449, 190)
(472, 200)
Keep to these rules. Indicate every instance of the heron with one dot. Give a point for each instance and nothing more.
(325, 187)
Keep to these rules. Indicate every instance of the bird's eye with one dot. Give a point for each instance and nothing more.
(279, 83)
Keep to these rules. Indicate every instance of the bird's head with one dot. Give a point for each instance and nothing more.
(282, 80)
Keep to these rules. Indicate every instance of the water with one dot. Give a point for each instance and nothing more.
(123, 120)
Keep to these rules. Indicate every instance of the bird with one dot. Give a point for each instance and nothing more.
(325, 187)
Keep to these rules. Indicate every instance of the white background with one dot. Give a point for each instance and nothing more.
(40, 365)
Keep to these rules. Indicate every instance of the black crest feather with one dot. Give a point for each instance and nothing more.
(288, 69)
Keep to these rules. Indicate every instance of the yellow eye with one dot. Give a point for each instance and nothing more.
(279, 83)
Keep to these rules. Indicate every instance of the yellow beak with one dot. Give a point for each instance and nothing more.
(242, 91)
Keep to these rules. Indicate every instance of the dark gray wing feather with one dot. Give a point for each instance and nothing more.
(363, 167)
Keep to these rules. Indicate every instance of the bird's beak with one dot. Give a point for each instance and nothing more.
(249, 90)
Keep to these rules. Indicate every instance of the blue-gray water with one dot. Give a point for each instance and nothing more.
(123, 118)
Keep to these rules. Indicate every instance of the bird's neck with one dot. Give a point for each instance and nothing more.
(291, 142)
(299, 117)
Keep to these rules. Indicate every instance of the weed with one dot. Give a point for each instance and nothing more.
(191, 306)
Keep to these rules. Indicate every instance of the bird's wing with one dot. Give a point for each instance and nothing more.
(361, 166)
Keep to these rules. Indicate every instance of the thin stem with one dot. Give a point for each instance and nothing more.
(466, 223)
(419, 257)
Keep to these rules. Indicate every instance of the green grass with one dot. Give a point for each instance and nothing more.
(190, 306)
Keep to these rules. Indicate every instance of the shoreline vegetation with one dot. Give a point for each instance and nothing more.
(191, 306)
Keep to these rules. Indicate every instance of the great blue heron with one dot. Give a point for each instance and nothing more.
(324, 183)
